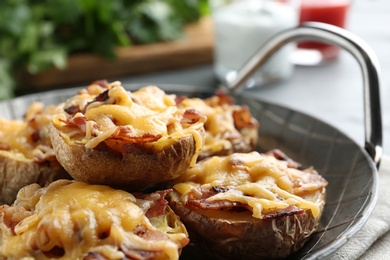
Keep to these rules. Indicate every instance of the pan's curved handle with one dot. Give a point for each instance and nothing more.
(334, 35)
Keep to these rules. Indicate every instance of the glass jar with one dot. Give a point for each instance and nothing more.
(241, 27)
(331, 12)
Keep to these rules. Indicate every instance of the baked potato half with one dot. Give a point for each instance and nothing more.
(248, 206)
(26, 154)
(74, 220)
(133, 140)
(230, 128)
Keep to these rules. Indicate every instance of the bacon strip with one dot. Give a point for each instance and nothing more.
(79, 122)
(159, 205)
(4, 146)
(280, 155)
(197, 198)
(220, 98)
(125, 134)
(243, 118)
(289, 211)
(101, 97)
(191, 116)
(72, 110)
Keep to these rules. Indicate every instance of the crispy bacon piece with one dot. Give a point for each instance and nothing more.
(35, 136)
(191, 116)
(289, 211)
(101, 97)
(217, 205)
(197, 198)
(125, 134)
(159, 205)
(32, 123)
(72, 110)
(178, 100)
(280, 155)
(147, 234)
(78, 122)
(4, 146)
(243, 118)
(123, 140)
(220, 98)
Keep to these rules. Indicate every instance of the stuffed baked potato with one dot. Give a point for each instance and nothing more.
(107, 135)
(248, 206)
(26, 154)
(230, 128)
(74, 220)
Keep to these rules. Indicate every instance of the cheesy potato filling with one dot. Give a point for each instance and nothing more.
(69, 220)
(148, 113)
(28, 138)
(262, 183)
(222, 131)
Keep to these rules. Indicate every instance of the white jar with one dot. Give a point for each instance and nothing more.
(241, 27)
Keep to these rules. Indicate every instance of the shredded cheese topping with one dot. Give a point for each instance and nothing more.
(28, 138)
(261, 182)
(148, 111)
(70, 219)
(221, 130)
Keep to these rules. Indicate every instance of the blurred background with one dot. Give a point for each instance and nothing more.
(53, 44)
(44, 42)
(60, 43)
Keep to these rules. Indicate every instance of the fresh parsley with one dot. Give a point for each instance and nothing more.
(38, 34)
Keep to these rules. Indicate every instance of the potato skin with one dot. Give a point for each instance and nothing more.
(15, 174)
(244, 239)
(138, 168)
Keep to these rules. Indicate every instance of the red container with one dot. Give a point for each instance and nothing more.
(327, 11)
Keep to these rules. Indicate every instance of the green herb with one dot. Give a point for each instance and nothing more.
(38, 34)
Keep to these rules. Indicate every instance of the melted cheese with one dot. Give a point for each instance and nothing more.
(79, 218)
(17, 134)
(220, 125)
(14, 133)
(261, 182)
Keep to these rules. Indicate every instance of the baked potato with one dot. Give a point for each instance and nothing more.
(131, 140)
(26, 154)
(74, 220)
(230, 128)
(248, 206)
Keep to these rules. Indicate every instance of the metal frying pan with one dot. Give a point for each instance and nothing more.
(350, 169)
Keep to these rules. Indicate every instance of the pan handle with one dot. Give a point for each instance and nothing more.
(334, 35)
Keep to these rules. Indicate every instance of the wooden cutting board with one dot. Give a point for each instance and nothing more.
(195, 48)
